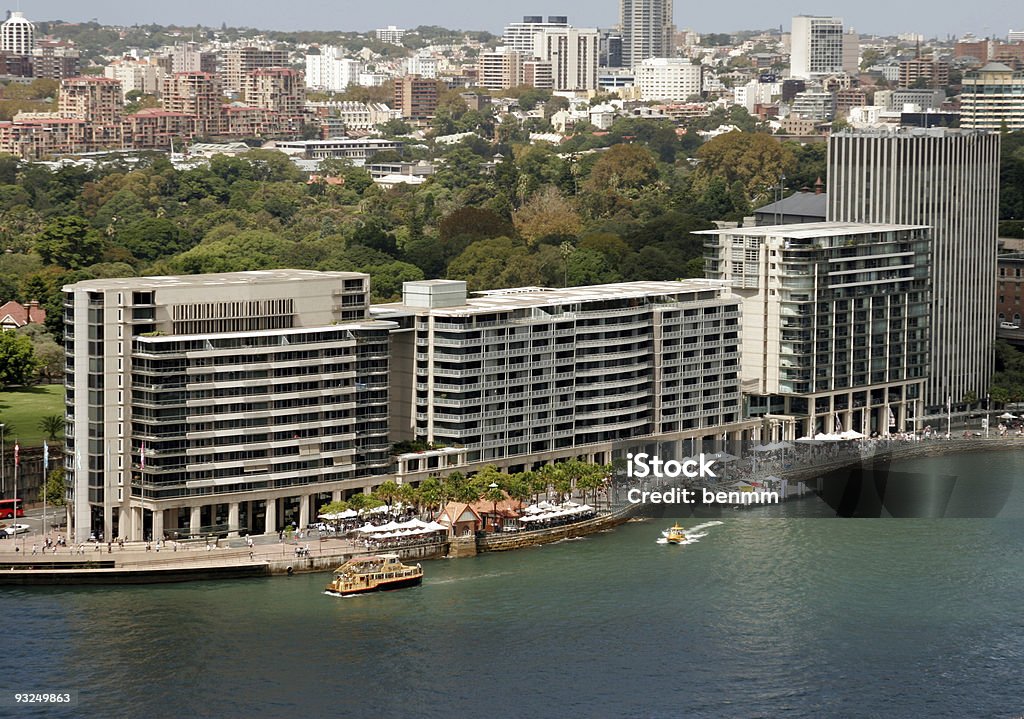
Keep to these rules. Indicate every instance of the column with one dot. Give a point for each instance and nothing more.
(123, 522)
(193, 525)
(108, 522)
(336, 495)
(137, 524)
(271, 516)
(233, 519)
(158, 525)
(303, 511)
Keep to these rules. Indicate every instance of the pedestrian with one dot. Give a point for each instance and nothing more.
(34, 549)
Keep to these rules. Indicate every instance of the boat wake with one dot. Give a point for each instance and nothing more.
(472, 578)
(693, 534)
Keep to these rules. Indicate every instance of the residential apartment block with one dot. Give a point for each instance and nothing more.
(17, 34)
(820, 48)
(647, 30)
(993, 99)
(572, 53)
(329, 69)
(143, 76)
(666, 78)
(280, 89)
(197, 94)
(519, 36)
(835, 321)
(99, 104)
(522, 376)
(501, 69)
(240, 61)
(929, 72)
(242, 400)
(415, 97)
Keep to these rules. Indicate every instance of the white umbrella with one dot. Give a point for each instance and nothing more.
(1006, 415)
(851, 434)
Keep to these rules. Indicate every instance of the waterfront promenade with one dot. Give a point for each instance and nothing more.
(94, 563)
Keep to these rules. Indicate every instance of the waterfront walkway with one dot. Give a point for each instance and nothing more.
(135, 555)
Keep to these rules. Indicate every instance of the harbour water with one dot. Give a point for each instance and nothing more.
(782, 611)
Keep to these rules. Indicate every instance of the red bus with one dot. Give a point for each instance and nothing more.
(10, 508)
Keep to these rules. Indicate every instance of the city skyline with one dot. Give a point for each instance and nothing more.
(871, 17)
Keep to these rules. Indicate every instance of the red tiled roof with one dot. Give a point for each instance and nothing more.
(16, 314)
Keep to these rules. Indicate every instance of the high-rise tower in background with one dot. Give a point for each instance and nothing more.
(948, 179)
(821, 48)
(17, 35)
(646, 30)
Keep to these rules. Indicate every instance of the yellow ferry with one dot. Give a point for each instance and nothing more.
(373, 574)
(675, 534)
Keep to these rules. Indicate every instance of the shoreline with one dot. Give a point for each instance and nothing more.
(135, 565)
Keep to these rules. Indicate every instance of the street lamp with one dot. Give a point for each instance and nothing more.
(494, 505)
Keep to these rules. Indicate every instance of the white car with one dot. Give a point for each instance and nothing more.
(13, 529)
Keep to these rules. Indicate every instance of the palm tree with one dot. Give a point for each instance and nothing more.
(432, 494)
(333, 508)
(387, 493)
(409, 496)
(361, 501)
(52, 424)
(549, 474)
(518, 486)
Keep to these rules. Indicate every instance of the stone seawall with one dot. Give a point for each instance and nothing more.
(330, 562)
(39, 571)
(517, 540)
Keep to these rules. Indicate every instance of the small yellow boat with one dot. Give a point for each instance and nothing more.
(675, 534)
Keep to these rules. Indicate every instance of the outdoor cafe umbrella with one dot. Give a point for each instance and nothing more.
(1006, 415)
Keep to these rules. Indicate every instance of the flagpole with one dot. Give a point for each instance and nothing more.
(46, 468)
(17, 461)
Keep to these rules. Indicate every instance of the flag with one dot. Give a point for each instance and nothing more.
(839, 425)
(17, 452)
(892, 418)
(142, 455)
(46, 457)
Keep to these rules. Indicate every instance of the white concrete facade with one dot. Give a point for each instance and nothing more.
(573, 54)
(817, 47)
(668, 78)
(330, 70)
(187, 396)
(17, 35)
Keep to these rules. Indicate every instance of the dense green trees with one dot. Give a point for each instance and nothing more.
(17, 360)
(600, 207)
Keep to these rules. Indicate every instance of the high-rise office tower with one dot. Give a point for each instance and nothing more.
(949, 180)
(646, 30)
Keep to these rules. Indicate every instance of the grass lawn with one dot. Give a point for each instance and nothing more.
(22, 408)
